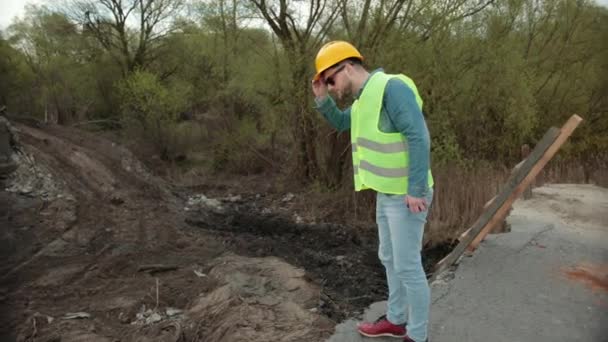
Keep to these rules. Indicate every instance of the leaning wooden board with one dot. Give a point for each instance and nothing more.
(517, 183)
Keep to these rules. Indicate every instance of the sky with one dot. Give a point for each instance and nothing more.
(11, 8)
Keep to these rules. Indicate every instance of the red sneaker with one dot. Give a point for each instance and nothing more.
(381, 327)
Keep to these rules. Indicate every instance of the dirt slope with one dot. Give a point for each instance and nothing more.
(96, 248)
(85, 227)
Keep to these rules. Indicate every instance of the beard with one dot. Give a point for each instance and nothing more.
(345, 91)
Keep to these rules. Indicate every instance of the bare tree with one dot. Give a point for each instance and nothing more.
(130, 30)
(300, 26)
(368, 22)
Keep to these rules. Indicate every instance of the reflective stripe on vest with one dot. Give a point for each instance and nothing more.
(380, 160)
(400, 146)
(381, 171)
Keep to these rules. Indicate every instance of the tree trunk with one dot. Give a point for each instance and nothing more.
(338, 157)
(305, 132)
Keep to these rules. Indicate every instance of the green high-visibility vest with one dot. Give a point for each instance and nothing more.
(380, 160)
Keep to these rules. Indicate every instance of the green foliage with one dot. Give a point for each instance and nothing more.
(151, 109)
(237, 151)
(62, 71)
(233, 94)
(491, 78)
(17, 79)
(503, 76)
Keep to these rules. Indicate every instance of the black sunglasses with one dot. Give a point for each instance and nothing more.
(330, 80)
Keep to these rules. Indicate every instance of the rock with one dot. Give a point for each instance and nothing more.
(199, 274)
(201, 200)
(173, 312)
(33, 179)
(124, 319)
(76, 315)
(140, 316)
(154, 318)
(288, 197)
(149, 316)
(7, 148)
(234, 199)
(6, 140)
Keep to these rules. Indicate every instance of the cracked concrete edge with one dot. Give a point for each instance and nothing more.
(536, 236)
(443, 282)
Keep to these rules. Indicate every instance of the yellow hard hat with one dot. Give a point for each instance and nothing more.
(332, 53)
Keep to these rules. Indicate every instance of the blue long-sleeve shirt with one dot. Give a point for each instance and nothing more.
(400, 113)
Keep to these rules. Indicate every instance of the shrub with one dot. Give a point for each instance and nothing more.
(150, 110)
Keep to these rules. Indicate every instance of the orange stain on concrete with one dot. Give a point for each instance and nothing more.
(592, 276)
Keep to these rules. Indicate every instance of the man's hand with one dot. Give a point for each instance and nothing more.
(319, 88)
(415, 204)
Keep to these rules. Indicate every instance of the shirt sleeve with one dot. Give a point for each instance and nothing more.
(406, 116)
(339, 119)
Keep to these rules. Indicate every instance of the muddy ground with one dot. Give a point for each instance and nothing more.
(97, 248)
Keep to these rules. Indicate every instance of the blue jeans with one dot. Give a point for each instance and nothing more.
(400, 234)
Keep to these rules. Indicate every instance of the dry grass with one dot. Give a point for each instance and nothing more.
(458, 201)
(460, 194)
(594, 171)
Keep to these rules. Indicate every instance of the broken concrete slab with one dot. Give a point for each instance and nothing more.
(544, 281)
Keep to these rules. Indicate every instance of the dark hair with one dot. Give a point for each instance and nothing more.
(355, 61)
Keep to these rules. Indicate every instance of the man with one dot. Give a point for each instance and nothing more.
(391, 153)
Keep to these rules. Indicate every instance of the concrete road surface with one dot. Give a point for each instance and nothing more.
(546, 280)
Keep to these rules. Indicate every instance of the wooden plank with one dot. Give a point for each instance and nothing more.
(485, 217)
(525, 152)
(539, 157)
(485, 206)
(565, 132)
